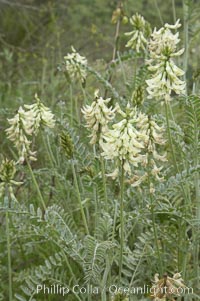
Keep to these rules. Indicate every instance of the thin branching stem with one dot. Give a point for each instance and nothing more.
(155, 233)
(121, 220)
(186, 39)
(158, 10)
(36, 185)
(169, 136)
(79, 198)
(71, 104)
(174, 10)
(9, 256)
(181, 249)
(104, 182)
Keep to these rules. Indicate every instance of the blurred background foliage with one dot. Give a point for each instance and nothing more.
(36, 34)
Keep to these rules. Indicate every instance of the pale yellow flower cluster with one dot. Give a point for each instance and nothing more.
(165, 73)
(41, 115)
(97, 116)
(154, 135)
(140, 33)
(21, 127)
(167, 287)
(131, 141)
(75, 65)
(124, 142)
(25, 124)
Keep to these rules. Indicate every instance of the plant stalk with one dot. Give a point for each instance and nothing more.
(36, 184)
(9, 256)
(121, 220)
(104, 182)
(79, 198)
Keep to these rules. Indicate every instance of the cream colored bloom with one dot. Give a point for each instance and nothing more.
(166, 287)
(75, 65)
(97, 116)
(21, 126)
(124, 142)
(25, 124)
(165, 73)
(153, 135)
(139, 34)
(41, 115)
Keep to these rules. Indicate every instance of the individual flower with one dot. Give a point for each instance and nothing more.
(7, 173)
(140, 33)
(75, 65)
(97, 116)
(21, 126)
(124, 142)
(41, 115)
(167, 287)
(165, 73)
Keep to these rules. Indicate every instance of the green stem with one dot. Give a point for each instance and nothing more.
(36, 184)
(79, 198)
(50, 153)
(105, 277)
(183, 247)
(158, 10)
(174, 10)
(177, 171)
(153, 219)
(122, 67)
(197, 201)
(186, 39)
(95, 193)
(156, 239)
(9, 257)
(71, 104)
(104, 182)
(121, 220)
(170, 137)
(186, 191)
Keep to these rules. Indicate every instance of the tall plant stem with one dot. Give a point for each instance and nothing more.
(156, 238)
(9, 256)
(115, 47)
(197, 201)
(105, 277)
(197, 252)
(121, 220)
(71, 104)
(169, 135)
(36, 184)
(158, 10)
(104, 182)
(155, 233)
(95, 193)
(167, 109)
(79, 198)
(186, 39)
(182, 248)
(174, 10)
(116, 40)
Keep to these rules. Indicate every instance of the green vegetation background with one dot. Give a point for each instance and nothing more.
(34, 37)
